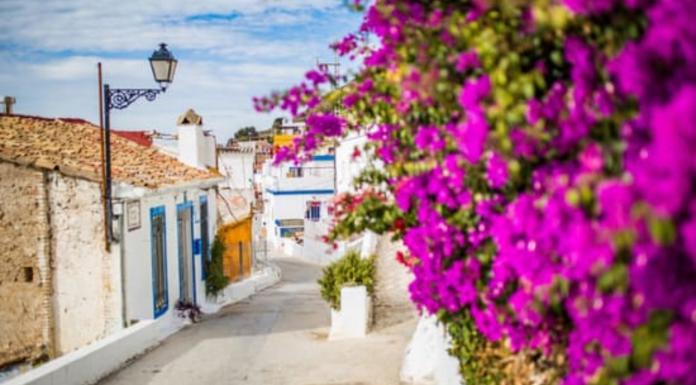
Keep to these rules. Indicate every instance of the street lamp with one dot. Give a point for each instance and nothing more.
(163, 66)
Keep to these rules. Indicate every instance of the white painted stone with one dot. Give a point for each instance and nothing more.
(89, 364)
(426, 361)
(353, 319)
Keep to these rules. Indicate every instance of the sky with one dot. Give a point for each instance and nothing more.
(228, 50)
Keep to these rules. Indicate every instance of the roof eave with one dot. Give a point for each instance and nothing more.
(127, 191)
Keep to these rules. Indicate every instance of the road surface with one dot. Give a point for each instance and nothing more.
(277, 337)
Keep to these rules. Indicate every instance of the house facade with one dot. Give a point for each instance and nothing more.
(165, 237)
(294, 195)
(56, 270)
(349, 163)
(235, 231)
(236, 163)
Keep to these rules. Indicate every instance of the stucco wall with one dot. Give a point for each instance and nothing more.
(85, 279)
(138, 255)
(288, 207)
(232, 235)
(24, 247)
(347, 166)
(238, 167)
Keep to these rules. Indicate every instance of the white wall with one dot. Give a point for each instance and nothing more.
(317, 251)
(293, 206)
(238, 167)
(86, 279)
(191, 146)
(347, 167)
(196, 149)
(209, 151)
(88, 365)
(138, 251)
(318, 175)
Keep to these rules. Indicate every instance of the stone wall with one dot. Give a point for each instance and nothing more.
(25, 289)
(85, 277)
(392, 298)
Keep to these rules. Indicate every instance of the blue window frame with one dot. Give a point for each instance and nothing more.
(160, 291)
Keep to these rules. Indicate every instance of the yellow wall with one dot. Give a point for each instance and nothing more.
(283, 140)
(232, 235)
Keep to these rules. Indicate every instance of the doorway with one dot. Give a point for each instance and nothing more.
(187, 285)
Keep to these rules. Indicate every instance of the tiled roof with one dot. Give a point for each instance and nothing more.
(140, 137)
(73, 147)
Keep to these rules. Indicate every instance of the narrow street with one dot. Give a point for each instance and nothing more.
(276, 337)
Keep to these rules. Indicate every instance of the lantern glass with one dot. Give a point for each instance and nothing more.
(163, 66)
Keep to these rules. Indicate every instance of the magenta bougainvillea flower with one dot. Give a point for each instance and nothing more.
(540, 171)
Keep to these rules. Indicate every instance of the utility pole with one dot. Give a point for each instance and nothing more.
(335, 64)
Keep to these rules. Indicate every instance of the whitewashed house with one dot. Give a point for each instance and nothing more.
(294, 195)
(61, 284)
(350, 162)
(236, 163)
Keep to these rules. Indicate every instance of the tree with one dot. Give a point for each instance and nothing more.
(277, 123)
(246, 133)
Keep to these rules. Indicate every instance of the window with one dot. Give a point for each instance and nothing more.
(314, 211)
(295, 172)
(205, 249)
(159, 260)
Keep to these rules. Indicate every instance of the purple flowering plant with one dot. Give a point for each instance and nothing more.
(537, 160)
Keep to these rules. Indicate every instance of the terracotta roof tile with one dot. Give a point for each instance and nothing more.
(73, 147)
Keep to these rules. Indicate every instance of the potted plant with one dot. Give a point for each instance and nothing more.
(347, 285)
(188, 309)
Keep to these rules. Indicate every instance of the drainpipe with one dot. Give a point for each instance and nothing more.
(122, 254)
(105, 184)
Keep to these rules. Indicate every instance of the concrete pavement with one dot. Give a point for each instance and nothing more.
(275, 337)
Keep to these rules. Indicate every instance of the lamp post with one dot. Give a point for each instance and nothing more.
(163, 66)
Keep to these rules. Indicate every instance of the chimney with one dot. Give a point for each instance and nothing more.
(193, 145)
(9, 102)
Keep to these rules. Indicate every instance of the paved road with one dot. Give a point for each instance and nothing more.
(276, 337)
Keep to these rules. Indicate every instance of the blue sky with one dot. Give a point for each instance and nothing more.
(228, 51)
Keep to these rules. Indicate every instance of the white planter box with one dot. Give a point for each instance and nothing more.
(354, 318)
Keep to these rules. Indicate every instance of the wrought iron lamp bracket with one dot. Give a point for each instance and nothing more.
(124, 97)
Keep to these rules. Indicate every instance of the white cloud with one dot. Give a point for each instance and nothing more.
(49, 50)
(97, 25)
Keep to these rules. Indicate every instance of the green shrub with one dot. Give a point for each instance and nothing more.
(485, 362)
(216, 280)
(349, 270)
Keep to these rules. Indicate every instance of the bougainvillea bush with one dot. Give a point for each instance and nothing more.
(538, 163)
